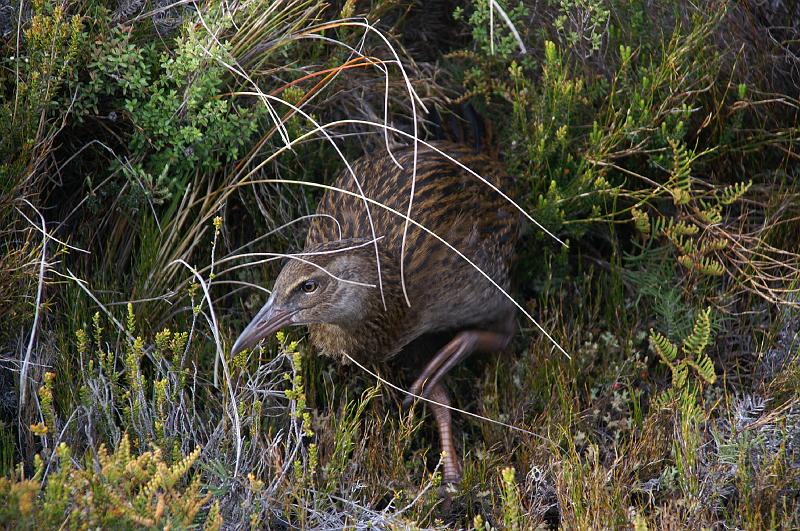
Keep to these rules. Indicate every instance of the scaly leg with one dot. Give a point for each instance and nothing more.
(452, 466)
(458, 349)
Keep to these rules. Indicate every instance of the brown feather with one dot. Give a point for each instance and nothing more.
(446, 293)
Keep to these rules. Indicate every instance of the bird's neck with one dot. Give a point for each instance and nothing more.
(375, 338)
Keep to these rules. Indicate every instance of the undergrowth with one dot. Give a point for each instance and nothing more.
(141, 149)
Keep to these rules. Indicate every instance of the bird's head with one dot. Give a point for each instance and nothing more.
(331, 283)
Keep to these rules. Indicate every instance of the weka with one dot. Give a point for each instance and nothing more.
(333, 285)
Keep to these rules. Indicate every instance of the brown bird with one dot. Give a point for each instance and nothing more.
(357, 299)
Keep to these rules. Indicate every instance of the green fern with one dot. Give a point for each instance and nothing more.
(665, 349)
(681, 173)
(694, 230)
(693, 355)
(695, 344)
(710, 267)
(679, 228)
(705, 265)
(713, 245)
(731, 194)
(711, 214)
(653, 274)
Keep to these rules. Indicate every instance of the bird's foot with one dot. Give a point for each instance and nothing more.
(459, 348)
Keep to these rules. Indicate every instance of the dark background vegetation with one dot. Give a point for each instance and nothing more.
(140, 143)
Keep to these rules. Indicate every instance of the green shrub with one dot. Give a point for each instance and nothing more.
(183, 117)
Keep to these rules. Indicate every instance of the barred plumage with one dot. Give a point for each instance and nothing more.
(333, 286)
(445, 292)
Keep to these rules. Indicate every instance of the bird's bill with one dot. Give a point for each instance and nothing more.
(267, 321)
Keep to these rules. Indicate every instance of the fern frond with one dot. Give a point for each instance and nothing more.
(665, 349)
(665, 399)
(680, 373)
(686, 261)
(695, 344)
(681, 165)
(681, 228)
(713, 245)
(731, 194)
(704, 367)
(711, 214)
(658, 224)
(710, 266)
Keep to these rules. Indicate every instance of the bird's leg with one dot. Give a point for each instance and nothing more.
(458, 349)
(452, 467)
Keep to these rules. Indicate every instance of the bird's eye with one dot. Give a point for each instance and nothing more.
(309, 286)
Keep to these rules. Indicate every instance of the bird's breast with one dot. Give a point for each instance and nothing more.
(363, 345)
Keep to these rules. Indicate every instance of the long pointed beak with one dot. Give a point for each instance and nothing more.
(267, 321)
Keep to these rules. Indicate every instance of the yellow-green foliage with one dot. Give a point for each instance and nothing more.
(513, 514)
(684, 397)
(347, 430)
(296, 393)
(35, 63)
(692, 352)
(117, 490)
(52, 39)
(46, 403)
(693, 230)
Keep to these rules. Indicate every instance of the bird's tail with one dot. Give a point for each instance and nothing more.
(462, 124)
